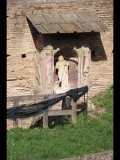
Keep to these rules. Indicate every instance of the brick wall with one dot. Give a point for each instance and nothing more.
(21, 39)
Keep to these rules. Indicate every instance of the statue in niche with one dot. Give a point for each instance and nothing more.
(62, 66)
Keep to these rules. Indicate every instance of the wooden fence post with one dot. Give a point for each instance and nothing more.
(45, 116)
(45, 119)
(15, 120)
(74, 111)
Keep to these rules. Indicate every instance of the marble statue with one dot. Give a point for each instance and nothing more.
(62, 66)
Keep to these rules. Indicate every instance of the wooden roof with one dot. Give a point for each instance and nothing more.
(83, 21)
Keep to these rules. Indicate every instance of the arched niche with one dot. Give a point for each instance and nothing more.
(71, 56)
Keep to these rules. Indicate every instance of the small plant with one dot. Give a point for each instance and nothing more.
(102, 98)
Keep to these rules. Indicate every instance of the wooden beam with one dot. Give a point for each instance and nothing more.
(15, 120)
(32, 97)
(74, 111)
(58, 112)
(45, 119)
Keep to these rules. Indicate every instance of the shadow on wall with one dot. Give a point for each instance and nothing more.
(96, 47)
(37, 39)
(70, 40)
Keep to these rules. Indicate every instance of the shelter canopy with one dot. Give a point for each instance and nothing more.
(82, 21)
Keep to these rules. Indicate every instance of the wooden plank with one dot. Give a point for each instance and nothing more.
(95, 27)
(87, 16)
(58, 112)
(101, 26)
(15, 120)
(45, 119)
(93, 16)
(70, 27)
(54, 18)
(82, 16)
(37, 19)
(83, 27)
(87, 27)
(31, 97)
(74, 111)
(40, 28)
(53, 28)
(71, 17)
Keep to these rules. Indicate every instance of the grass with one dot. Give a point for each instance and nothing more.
(88, 136)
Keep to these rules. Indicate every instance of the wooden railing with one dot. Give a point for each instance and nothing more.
(46, 114)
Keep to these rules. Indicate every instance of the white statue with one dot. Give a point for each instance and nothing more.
(62, 66)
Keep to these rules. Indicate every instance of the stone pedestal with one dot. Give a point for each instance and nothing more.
(58, 90)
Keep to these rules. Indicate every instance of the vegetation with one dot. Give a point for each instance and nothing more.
(91, 135)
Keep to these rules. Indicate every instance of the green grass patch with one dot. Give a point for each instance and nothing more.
(88, 136)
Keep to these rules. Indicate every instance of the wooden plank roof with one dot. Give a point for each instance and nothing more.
(83, 21)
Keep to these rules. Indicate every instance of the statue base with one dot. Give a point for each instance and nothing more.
(62, 89)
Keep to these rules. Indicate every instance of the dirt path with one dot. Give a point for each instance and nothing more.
(108, 155)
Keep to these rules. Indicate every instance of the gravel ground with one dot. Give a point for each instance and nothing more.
(108, 155)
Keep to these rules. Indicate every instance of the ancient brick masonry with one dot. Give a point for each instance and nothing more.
(24, 43)
(21, 44)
